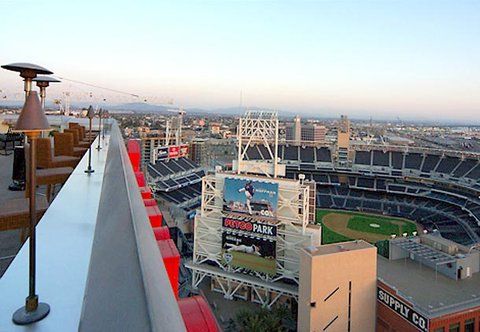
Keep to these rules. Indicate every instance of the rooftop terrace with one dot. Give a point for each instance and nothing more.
(431, 293)
(98, 264)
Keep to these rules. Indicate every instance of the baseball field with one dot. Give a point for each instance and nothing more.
(249, 261)
(339, 226)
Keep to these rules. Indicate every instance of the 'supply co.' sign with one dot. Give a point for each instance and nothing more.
(403, 309)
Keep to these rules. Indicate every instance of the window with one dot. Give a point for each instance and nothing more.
(470, 325)
(454, 327)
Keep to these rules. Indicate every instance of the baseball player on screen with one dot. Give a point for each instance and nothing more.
(249, 192)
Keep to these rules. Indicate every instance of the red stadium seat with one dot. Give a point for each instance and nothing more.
(197, 315)
(154, 215)
(133, 148)
(161, 233)
(146, 192)
(140, 179)
(150, 202)
(171, 259)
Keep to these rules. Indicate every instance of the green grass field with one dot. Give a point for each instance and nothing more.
(253, 262)
(345, 225)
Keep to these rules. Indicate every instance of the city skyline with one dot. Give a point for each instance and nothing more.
(380, 59)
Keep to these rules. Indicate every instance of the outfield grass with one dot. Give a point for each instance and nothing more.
(329, 236)
(360, 222)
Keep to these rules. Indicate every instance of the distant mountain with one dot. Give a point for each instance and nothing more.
(141, 108)
(233, 111)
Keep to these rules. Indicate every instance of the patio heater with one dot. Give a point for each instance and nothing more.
(106, 115)
(90, 116)
(28, 71)
(100, 115)
(32, 121)
(43, 82)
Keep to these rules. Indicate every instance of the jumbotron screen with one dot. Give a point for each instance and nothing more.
(249, 226)
(255, 198)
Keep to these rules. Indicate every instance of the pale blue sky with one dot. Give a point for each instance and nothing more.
(408, 58)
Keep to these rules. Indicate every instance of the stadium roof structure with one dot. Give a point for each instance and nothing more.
(430, 293)
(434, 257)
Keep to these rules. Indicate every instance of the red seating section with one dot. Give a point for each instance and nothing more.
(161, 233)
(154, 215)
(195, 311)
(145, 192)
(171, 259)
(197, 315)
(140, 179)
(133, 148)
(150, 202)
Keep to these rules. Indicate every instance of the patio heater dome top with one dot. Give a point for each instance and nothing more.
(48, 79)
(27, 70)
(24, 66)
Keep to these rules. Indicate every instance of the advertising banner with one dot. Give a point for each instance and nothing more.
(249, 224)
(173, 151)
(250, 197)
(183, 150)
(402, 309)
(250, 252)
(162, 152)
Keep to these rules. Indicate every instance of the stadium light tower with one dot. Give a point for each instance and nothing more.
(259, 128)
(43, 82)
(28, 71)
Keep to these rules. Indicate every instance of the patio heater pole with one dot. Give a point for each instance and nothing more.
(100, 114)
(32, 121)
(90, 115)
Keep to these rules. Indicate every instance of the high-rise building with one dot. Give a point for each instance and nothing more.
(313, 133)
(147, 144)
(337, 290)
(310, 132)
(198, 150)
(294, 130)
(343, 139)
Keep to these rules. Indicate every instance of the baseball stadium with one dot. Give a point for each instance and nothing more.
(285, 212)
(389, 190)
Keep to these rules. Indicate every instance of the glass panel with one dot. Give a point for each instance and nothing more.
(470, 325)
(454, 327)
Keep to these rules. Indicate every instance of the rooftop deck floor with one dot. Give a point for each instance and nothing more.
(9, 240)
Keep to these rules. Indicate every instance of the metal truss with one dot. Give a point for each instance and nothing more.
(232, 285)
(293, 218)
(258, 127)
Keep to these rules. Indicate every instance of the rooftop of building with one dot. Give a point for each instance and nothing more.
(95, 219)
(430, 293)
(337, 248)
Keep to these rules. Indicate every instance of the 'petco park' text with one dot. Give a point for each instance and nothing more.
(250, 226)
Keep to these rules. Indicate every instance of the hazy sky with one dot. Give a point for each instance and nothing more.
(407, 58)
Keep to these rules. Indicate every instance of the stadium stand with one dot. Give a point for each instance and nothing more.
(177, 182)
(440, 190)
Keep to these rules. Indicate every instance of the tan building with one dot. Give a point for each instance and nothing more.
(343, 133)
(337, 290)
